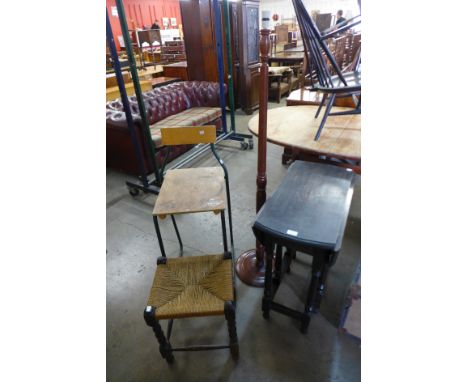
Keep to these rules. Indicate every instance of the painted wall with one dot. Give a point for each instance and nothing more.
(141, 13)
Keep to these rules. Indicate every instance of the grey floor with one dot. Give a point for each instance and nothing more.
(273, 350)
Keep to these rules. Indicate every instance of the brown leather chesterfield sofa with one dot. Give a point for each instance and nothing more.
(187, 103)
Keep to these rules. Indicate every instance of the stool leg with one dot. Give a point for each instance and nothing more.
(164, 346)
(230, 314)
(268, 281)
(158, 233)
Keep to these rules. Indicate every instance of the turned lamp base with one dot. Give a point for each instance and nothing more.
(248, 271)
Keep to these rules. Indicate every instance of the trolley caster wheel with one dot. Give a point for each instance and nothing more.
(134, 191)
(244, 145)
(251, 146)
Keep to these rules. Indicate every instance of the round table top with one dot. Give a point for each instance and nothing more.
(295, 127)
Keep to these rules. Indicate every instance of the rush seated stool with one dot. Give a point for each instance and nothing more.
(192, 286)
(306, 213)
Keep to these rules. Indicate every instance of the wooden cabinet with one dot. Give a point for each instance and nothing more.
(248, 47)
(200, 47)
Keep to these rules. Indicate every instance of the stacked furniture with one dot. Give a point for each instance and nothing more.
(173, 51)
(187, 103)
(344, 50)
(194, 286)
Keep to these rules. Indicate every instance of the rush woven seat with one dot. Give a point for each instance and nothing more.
(192, 287)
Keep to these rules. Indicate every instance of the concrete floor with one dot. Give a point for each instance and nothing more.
(273, 350)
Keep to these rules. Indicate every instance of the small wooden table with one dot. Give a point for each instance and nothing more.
(294, 127)
(306, 213)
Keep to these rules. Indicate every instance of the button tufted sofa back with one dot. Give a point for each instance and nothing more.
(168, 100)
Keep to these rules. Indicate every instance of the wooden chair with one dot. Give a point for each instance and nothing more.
(318, 53)
(197, 285)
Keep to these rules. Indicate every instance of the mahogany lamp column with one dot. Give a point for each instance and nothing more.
(250, 266)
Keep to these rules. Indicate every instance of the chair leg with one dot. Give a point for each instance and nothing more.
(325, 116)
(164, 346)
(230, 314)
(322, 102)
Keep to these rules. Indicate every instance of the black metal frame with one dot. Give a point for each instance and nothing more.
(165, 346)
(153, 186)
(315, 49)
(145, 185)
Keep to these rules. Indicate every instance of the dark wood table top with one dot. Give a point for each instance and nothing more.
(310, 207)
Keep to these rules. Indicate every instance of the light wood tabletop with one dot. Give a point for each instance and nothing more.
(295, 127)
(191, 190)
